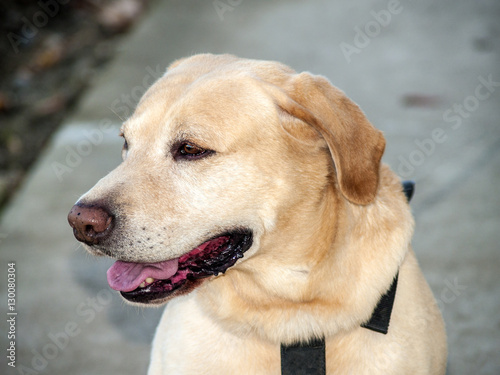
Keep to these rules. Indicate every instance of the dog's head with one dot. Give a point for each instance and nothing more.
(217, 157)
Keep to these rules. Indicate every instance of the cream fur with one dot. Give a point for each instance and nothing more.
(298, 163)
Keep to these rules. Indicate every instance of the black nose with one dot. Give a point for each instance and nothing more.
(91, 224)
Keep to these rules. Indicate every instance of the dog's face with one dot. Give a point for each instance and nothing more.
(212, 160)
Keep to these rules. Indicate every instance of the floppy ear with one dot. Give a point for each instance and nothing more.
(355, 145)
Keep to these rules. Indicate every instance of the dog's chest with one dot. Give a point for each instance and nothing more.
(187, 341)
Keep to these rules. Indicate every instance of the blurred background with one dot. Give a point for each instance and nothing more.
(426, 73)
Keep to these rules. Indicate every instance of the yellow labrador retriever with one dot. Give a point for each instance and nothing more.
(253, 199)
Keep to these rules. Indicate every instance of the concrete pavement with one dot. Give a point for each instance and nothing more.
(426, 73)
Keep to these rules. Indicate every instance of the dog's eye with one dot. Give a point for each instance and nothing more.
(188, 150)
(125, 146)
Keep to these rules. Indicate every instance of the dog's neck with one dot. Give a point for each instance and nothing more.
(311, 356)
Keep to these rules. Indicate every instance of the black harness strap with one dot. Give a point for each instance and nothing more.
(309, 359)
(304, 359)
(408, 189)
(379, 321)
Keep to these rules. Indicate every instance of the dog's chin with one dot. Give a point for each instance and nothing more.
(212, 257)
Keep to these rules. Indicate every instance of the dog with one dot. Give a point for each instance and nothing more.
(253, 200)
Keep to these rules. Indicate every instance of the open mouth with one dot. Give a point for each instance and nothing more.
(157, 282)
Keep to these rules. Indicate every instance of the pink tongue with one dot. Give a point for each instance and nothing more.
(126, 276)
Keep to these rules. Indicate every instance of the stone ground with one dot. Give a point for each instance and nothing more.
(429, 77)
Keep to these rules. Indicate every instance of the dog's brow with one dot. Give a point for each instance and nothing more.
(188, 135)
(123, 128)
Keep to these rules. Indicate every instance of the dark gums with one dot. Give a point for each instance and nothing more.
(218, 260)
(212, 261)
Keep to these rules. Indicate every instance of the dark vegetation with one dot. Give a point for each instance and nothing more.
(49, 52)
